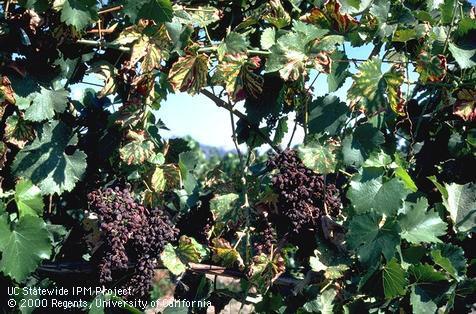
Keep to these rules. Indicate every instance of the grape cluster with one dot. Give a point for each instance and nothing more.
(132, 235)
(266, 235)
(302, 194)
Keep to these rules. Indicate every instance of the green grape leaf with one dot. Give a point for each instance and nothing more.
(189, 73)
(358, 146)
(429, 285)
(339, 71)
(24, 247)
(320, 158)
(323, 304)
(461, 205)
(45, 103)
(372, 235)
(369, 192)
(451, 258)
(425, 273)
(421, 302)
(171, 260)
(464, 57)
(28, 198)
(394, 279)
(159, 11)
(79, 13)
(222, 205)
(225, 254)
(234, 43)
(48, 163)
(327, 115)
(268, 38)
(419, 226)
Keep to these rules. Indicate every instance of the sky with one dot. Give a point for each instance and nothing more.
(198, 116)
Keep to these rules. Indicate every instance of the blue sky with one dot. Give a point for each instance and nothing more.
(200, 118)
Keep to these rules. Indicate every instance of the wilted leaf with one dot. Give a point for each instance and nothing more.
(331, 17)
(189, 73)
(264, 270)
(320, 158)
(18, 131)
(170, 260)
(465, 105)
(431, 68)
(323, 304)
(138, 150)
(225, 254)
(276, 14)
(236, 73)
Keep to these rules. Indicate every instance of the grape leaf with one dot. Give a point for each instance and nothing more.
(358, 146)
(372, 89)
(369, 192)
(425, 273)
(190, 251)
(464, 57)
(265, 269)
(79, 13)
(327, 114)
(46, 161)
(158, 10)
(24, 247)
(45, 103)
(225, 254)
(371, 236)
(394, 279)
(137, 152)
(451, 258)
(28, 198)
(222, 205)
(421, 302)
(339, 71)
(461, 204)
(419, 226)
(189, 73)
(268, 38)
(171, 260)
(18, 131)
(234, 43)
(320, 158)
(323, 304)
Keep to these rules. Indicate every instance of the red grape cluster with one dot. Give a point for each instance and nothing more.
(266, 235)
(131, 234)
(198, 221)
(302, 194)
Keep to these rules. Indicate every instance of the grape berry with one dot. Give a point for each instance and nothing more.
(132, 235)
